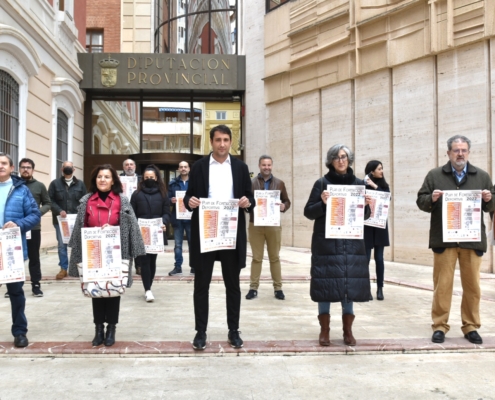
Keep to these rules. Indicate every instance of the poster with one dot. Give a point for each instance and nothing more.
(11, 256)
(129, 185)
(181, 212)
(102, 258)
(66, 226)
(345, 212)
(267, 210)
(152, 233)
(218, 224)
(380, 204)
(461, 215)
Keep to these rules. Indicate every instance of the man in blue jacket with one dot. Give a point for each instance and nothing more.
(17, 209)
(180, 225)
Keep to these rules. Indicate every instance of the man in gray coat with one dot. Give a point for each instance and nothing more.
(457, 174)
(40, 194)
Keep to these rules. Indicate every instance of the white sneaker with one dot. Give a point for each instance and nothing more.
(149, 296)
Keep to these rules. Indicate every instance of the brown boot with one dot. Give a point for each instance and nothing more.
(61, 275)
(347, 320)
(325, 329)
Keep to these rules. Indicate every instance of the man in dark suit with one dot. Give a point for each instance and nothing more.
(218, 176)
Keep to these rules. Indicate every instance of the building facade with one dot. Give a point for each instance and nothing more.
(41, 114)
(393, 80)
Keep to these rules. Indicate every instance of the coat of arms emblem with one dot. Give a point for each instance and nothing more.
(109, 71)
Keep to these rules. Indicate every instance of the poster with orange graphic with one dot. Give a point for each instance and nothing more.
(461, 215)
(380, 204)
(181, 212)
(152, 233)
(102, 258)
(218, 224)
(11, 256)
(267, 210)
(345, 212)
(66, 226)
(129, 185)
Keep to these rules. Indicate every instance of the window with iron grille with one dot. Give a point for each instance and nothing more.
(9, 116)
(62, 139)
(94, 41)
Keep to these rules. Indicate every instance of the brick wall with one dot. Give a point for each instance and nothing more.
(106, 15)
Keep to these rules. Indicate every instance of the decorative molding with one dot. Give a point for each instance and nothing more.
(16, 43)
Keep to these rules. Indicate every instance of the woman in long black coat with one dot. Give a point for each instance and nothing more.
(150, 200)
(376, 238)
(339, 267)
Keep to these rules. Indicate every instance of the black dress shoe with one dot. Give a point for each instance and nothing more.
(474, 337)
(379, 293)
(110, 336)
(21, 341)
(279, 295)
(438, 337)
(235, 340)
(252, 294)
(199, 342)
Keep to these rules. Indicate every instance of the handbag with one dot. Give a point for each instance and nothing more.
(103, 289)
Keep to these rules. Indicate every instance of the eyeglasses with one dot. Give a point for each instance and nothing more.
(25, 167)
(341, 158)
(463, 151)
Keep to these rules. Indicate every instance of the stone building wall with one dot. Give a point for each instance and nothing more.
(393, 81)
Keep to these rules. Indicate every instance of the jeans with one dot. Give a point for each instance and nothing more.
(18, 304)
(33, 248)
(324, 307)
(63, 260)
(182, 225)
(148, 269)
(379, 263)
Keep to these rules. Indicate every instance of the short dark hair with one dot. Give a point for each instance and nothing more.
(26, 160)
(187, 162)
(222, 129)
(265, 157)
(117, 185)
(11, 162)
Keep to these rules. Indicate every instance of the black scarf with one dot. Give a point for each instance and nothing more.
(380, 182)
(337, 179)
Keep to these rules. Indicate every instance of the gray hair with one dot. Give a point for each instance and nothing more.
(264, 157)
(11, 162)
(333, 152)
(128, 159)
(67, 161)
(458, 138)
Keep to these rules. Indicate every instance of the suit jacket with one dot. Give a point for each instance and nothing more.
(199, 180)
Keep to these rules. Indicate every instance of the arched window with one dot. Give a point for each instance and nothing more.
(9, 116)
(96, 145)
(62, 139)
(196, 26)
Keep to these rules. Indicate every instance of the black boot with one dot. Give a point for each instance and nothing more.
(110, 338)
(379, 293)
(99, 335)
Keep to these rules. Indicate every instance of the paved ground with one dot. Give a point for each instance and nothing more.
(153, 357)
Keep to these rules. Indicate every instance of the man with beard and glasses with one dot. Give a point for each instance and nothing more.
(40, 195)
(457, 174)
(65, 193)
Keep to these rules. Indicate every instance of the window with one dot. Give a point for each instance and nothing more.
(94, 41)
(96, 145)
(222, 115)
(272, 4)
(62, 139)
(67, 6)
(9, 116)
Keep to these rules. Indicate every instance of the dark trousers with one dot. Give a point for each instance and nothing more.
(202, 280)
(33, 248)
(18, 304)
(379, 263)
(148, 269)
(106, 310)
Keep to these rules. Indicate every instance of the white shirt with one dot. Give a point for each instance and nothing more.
(221, 184)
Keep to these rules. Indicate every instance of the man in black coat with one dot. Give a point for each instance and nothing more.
(222, 177)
